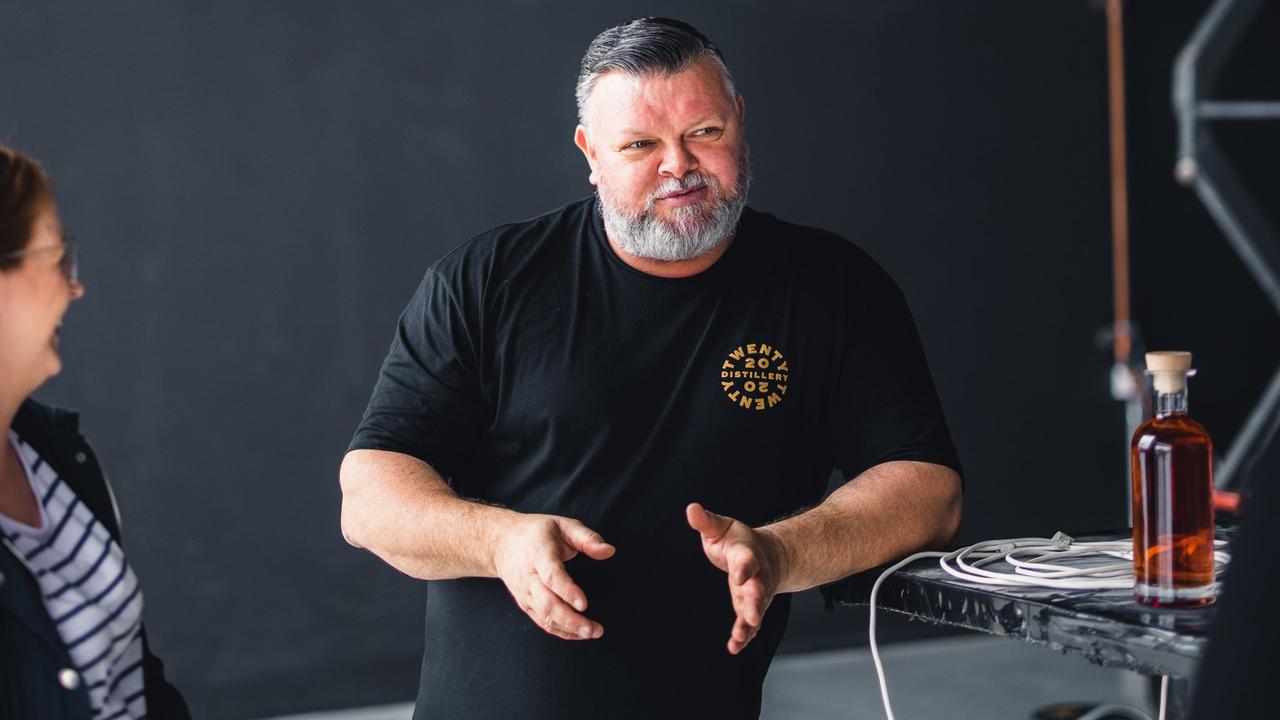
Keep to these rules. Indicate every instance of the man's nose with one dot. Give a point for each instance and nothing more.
(677, 161)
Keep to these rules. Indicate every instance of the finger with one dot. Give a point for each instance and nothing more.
(586, 540)
(754, 602)
(742, 634)
(545, 621)
(536, 606)
(556, 617)
(552, 573)
(743, 563)
(742, 608)
(738, 598)
(711, 526)
(734, 644)
(748, 599)
(548, 624)
(546, 612)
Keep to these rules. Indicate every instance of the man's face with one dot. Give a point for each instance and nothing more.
(669, 159)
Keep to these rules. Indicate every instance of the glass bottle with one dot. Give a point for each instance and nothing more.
(1172, 494)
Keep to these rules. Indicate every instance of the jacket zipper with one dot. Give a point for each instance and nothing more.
(111, 493)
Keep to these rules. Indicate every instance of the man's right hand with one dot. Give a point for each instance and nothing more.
(529, 558)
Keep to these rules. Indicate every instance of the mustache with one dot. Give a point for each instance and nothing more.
(690, 181)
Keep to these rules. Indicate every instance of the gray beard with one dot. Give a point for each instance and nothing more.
(696, 229)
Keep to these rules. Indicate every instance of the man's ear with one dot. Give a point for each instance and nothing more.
(742, 110)
(584, 144)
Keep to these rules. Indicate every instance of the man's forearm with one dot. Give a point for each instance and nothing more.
(887, 512)
(401, 510)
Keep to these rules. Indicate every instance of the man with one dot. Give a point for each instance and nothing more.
(568, 399)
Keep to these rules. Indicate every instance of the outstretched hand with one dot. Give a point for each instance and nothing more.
(751, 559)
(529, 559)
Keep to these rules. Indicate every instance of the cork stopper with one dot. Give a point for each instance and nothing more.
(1169, 370)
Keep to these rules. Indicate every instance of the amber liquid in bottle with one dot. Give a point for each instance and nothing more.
(1173, 562)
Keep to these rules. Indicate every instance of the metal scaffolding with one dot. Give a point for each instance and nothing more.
(1205, 169)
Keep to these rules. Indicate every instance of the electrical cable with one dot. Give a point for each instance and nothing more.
(875, 650)
(1114, 710)
(1034, 565)
(1164, 695)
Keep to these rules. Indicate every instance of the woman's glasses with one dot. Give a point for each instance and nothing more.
(67, 262)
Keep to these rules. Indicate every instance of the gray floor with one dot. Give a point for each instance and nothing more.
(965, 678)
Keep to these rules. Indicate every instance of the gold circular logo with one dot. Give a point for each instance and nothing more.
(755, 376)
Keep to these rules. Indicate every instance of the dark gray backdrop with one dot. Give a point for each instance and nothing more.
(259, 186)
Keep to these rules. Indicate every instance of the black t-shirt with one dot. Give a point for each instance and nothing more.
(535, 370)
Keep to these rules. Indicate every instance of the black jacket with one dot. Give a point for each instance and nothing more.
(37, 677)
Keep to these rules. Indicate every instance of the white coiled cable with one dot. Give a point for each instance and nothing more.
(1034, 562)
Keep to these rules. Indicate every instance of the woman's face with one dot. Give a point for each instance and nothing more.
(33, 298)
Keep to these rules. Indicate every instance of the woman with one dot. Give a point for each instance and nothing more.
(71, 637)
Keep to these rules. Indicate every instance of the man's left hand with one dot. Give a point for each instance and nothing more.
(753, 561)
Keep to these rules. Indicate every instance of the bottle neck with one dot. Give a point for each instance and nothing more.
(1174, 403)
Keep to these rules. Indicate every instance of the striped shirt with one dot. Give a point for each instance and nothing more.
(90, 591)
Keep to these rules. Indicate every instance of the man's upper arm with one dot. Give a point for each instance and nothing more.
(427, 401)
(886, 405)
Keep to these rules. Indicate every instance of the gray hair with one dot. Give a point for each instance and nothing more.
(646, 46)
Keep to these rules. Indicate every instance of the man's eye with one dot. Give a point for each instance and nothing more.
(707, 132)
(637, 145)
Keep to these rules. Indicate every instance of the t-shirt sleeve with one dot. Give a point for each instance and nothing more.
(886, 407)
(428, 400)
